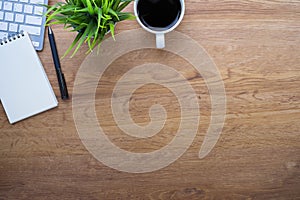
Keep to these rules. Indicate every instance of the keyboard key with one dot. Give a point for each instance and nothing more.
(3, 26)
(24, 1)
(34, 20)
(34, 30)
(36, 44)
(7, 6)
(0, 4)
(9, 16)
(3, 34)
(18, 7)
(13, 27)
(1, 15)
(28, 9)
(19, 18)
(36, 1)
(38, 10)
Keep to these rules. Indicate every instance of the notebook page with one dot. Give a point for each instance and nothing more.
(25, 88)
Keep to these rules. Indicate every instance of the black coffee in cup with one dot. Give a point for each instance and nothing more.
(159, 15)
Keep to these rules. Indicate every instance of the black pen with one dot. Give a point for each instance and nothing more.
(60, 76)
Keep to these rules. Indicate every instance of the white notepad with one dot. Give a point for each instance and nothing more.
(24, 86)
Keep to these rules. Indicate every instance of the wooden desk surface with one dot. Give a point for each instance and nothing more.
(256, 47)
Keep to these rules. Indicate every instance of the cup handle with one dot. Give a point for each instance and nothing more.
(160, 40)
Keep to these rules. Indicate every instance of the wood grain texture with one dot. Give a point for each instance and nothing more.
(255, 45)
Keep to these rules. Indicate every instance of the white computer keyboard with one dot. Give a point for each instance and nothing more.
(23, 15)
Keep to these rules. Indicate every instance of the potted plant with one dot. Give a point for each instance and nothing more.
(91, 19)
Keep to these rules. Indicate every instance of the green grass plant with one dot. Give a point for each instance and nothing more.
(91, 19)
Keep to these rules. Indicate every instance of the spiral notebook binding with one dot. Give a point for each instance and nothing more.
(11, 38)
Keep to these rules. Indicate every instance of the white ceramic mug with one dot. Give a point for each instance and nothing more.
(159, 31)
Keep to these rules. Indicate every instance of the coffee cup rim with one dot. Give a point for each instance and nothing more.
(156, 31)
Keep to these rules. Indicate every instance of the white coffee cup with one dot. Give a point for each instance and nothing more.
(157, 30)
